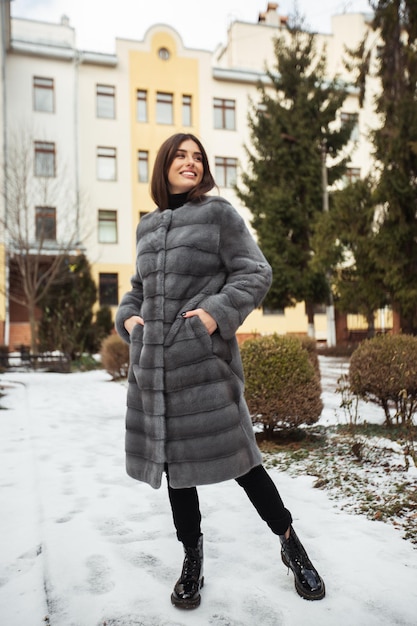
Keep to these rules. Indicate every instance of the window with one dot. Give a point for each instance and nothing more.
(164, 108)
(141, 105)
(318, 309)
(107, 226)
(43, 94)
(45, 223)
(186, 111)
(353, 120)
(164, 54)
(44, 158)
(143, 166)
(106, 163)
(224, 114)
(106, 101)
(226, 171)
(351, 175)
(108, 289)
(272, 311)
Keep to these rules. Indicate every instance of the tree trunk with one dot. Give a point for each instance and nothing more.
(311, 332)
(33, 328)
(407, 323)
(371, 325)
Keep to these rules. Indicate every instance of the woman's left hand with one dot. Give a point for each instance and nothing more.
(208, 321)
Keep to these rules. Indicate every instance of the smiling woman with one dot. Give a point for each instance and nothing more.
(199, 273)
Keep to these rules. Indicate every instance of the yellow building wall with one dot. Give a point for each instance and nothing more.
(178, 75)
(292, 321)
(383, 320)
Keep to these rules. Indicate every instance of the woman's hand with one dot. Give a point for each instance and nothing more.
(131, 322)
(208, 321)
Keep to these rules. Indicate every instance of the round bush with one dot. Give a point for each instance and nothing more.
(115, 356)
(383, 370)
(282, 382)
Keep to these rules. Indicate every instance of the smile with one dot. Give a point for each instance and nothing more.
(188, 174)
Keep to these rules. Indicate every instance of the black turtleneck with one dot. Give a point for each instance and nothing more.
(177, 199)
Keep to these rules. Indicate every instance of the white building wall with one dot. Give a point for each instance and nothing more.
(24, 124)
(97, 132)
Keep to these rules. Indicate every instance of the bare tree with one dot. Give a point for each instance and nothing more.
(40, 225)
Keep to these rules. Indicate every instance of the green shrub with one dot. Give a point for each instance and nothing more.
(115, 356)
(310, 344)
(383, 370)
(102, 327)
(282, 383)
(85, 363)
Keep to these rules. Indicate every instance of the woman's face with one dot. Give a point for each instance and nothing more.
(186, 170)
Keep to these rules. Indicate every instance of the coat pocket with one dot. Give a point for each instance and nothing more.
(135, 349)
(216, 344)
(221, 347)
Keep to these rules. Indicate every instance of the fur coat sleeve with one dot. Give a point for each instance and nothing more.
(248, 275)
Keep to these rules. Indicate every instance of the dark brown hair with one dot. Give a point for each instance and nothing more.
(164, 158)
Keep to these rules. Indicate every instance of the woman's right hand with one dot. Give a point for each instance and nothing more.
(131, 322)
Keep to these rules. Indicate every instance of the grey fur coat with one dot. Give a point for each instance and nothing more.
(185, 404)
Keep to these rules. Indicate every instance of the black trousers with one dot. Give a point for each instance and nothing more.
(261, 491)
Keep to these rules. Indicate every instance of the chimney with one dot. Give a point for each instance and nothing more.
(270, 16)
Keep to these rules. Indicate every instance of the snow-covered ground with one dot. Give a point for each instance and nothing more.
(82, 544)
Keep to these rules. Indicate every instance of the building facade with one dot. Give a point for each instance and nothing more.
(93, 122)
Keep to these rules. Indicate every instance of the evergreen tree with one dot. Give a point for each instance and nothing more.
(290, 126)
(67, 309)
(395, 147)
(346, 239)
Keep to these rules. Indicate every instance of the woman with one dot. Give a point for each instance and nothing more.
(199, 273)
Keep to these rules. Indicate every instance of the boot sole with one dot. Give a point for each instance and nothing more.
(300, 590)
(190, 603)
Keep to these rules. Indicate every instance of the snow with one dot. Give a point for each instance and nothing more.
(82, 544)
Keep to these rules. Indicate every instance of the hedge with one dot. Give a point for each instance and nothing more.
(383, 370)
(282, 382)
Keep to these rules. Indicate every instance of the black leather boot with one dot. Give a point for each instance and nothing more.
(308, 583)
(186, 594)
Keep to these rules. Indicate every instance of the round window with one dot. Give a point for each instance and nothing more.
(164, 54)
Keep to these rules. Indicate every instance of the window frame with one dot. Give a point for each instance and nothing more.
(351, 175)
(43, 85)
(43, 214)
(106, 94)
(107, 152)
(105, 217)
(142, 106)
(346, 117)
(227, 165)
(45, 159)
(164, 105)
(143, 166)
(187, 110)
(224, 114)
(108, 288)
